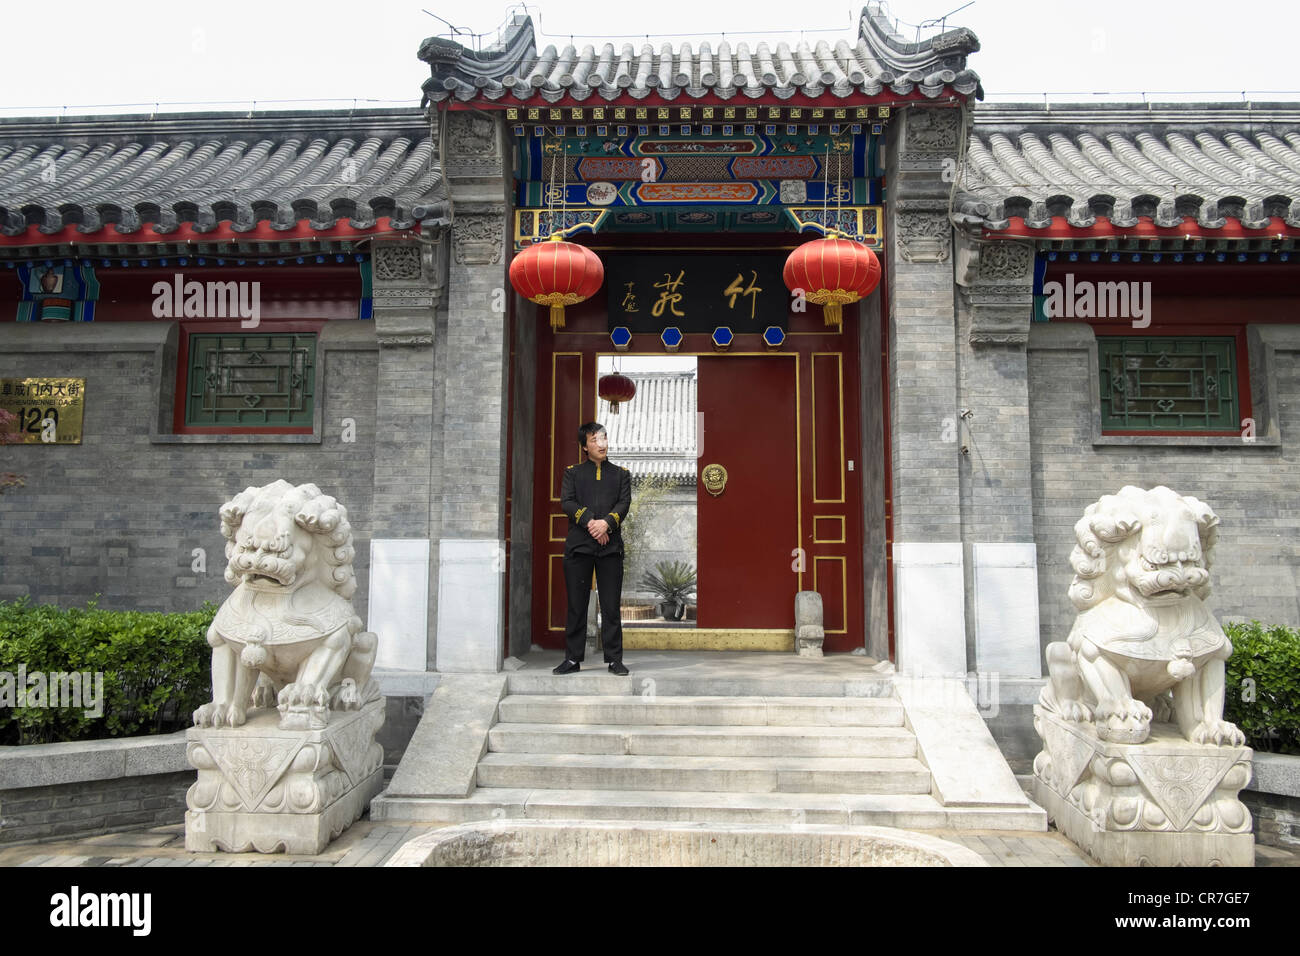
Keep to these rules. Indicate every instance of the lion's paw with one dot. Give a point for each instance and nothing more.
(264, 694)
(1076, 710)
(303, 694)
(209, 715)
(1124, 711)
(1218, 732)
(1124, 721)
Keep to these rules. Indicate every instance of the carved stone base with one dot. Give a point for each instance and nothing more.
(271, 790)
(809, 634)
(1165, 802)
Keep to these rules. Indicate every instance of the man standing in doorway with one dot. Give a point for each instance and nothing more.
(596, 496)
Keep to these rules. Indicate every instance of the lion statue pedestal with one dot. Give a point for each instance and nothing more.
(1138, 766)
(285, 752)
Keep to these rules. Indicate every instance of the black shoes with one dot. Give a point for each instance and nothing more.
(568, 667)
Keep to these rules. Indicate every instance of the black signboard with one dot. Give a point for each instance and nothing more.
(697, 293)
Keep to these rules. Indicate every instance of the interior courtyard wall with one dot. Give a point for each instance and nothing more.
(669, 527)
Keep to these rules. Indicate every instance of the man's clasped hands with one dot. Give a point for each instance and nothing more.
(598, 528)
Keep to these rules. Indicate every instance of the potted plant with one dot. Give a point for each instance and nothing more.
(673, 581)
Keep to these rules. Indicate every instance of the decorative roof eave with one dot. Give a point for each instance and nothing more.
(1188, 234)
(216, 178)
(880, 63)
(866, 95)
(262, 237)
(1218, 171)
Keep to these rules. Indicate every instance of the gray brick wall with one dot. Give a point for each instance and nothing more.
(474, 410)
(94, 806)
(1276, 818)
(404, 442)
(120, 514)
(922, 348)
(995, 476)
(1252, 489)
(923, 376)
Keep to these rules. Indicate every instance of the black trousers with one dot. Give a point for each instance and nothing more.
(609, 582)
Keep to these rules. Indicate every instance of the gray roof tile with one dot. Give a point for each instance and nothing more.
(1212, 162)
(517, 72)
(212, 172)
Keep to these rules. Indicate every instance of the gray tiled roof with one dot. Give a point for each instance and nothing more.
(154, 177)
(654, 434)
(1211, 162)
(877, 60)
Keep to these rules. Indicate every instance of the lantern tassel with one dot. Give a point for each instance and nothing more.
(613, 408)
(833, 313)
(557, 317)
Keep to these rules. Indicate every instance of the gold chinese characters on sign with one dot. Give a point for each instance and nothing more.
(47, 410)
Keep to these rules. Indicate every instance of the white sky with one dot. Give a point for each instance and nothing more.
(125, 56)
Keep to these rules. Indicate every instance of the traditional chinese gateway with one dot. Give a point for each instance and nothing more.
(1072, 299)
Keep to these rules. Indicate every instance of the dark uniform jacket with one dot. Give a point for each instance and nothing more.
(595, 491)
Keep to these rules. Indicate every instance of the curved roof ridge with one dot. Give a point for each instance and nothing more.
(877, 57)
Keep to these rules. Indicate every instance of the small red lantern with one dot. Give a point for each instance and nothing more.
(832, 272)
(556, 273)
(616, 388)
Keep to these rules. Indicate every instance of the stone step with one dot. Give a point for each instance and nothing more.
(739, 774)
(725, 741)
(599, 682)
(711, 711)
(907, 811)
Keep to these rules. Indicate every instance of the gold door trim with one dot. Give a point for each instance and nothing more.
(816, 533)
(844, 592)
(839, 372)
(550, 592)
(550, 476)
(707, 639)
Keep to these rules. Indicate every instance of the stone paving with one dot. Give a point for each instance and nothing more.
(371, 844)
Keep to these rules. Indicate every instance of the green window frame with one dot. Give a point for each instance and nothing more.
(1168, 383)
(239, 380)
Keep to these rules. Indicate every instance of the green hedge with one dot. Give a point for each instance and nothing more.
(1263, 686)
(156, 669)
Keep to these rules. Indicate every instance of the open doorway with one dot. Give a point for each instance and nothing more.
(654, 437)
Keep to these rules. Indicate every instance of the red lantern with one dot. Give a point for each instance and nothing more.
(832, 272)
(616, 388)
(556, 273)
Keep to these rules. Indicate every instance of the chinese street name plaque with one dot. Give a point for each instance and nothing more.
(43, 407)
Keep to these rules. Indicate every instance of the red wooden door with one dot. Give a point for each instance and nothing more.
(784, 424)
(747, 576)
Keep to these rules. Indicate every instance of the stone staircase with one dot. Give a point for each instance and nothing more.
(608, 752)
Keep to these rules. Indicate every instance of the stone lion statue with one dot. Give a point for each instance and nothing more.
(1143, 640)
(288, 636)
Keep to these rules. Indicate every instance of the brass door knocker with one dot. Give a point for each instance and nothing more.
(714, 478)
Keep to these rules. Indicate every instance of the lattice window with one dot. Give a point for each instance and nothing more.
(1167, 383)
(251, 380)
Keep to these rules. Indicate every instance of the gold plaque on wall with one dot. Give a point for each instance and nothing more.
(48, 411)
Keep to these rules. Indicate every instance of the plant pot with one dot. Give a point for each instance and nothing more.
(672, 610)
